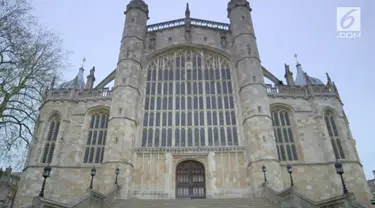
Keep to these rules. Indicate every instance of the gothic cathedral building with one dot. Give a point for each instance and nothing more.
(190, 116)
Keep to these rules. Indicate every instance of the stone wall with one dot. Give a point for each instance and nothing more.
(176, 36)
(72, 136)
(371, 184)
(319, 181)
(64, 185)
(155, 174)
(310, 129)
(70, 177)
(228, 174)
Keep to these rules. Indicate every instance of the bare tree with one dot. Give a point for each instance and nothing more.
(30, 57)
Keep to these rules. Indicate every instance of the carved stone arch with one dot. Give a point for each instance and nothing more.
(52, 114)
(95, 134)
(334, 132)
(284, 106)
(190, 179)
(168, 49)
(98, 108)
(50, 136)
(192, 79)
(327, 109)
(193, 159)
(95, 109)
(281, 142)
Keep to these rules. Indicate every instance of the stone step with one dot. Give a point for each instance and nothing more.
(195, 203)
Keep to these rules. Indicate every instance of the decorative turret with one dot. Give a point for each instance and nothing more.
(302, 78)
(329, 81)
(90, 79)
(53, 82)
(126, 97)
(288, 75)
(137, 4)
(260, 142)
(187, 24)
(78, 82)
(187, 11)
(237, 3)
(135, 27)
(241, 26)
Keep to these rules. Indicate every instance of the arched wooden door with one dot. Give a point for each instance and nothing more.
(190, 180)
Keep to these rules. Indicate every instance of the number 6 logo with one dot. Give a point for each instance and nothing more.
(347, 18)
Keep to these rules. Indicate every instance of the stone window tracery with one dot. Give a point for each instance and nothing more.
(334, 135)
(189, 101)
(283, 130)
(96, 138)
(50, 144)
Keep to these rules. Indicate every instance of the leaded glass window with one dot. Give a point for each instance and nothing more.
(96, 138)
(198, 101)
(283, 130)
(334, 135)
(50, 143)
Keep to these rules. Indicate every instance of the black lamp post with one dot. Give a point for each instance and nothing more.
(340, 171)
(93, 173)
(264, 173)
(289, 168)
(46, 174)
(117, 172)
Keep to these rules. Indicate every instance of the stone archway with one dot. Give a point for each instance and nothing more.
(190, 180)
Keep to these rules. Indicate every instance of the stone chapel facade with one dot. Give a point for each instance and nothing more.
(190, 116)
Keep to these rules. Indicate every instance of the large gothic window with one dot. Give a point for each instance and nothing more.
(50, 144)
(189, 101)
(334, 135)
(283, 129)
(96, 138)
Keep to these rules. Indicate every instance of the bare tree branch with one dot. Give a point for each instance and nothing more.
(30, 56)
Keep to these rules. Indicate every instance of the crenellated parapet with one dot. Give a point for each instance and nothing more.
(181, 22)
(300, 91)
(62, 94)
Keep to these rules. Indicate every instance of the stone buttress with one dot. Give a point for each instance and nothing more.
(258, 134)
(124, 114)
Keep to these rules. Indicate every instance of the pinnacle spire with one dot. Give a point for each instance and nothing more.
(83, 62)
(302, 78)
(296, 56)
(287, 70)
(187, 11)
(329, 81)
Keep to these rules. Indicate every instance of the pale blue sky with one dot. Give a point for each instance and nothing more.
(92, 29)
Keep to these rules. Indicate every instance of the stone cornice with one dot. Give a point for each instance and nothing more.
(123, 117)
(189, 149)
(250, 84)
(118, 161)
(62, 166)
(302, 163)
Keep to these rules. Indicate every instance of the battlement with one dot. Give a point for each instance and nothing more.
(300, 91)
(78, 94)
(272, 90)
(194, 22)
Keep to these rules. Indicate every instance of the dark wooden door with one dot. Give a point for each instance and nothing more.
(190, 180)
